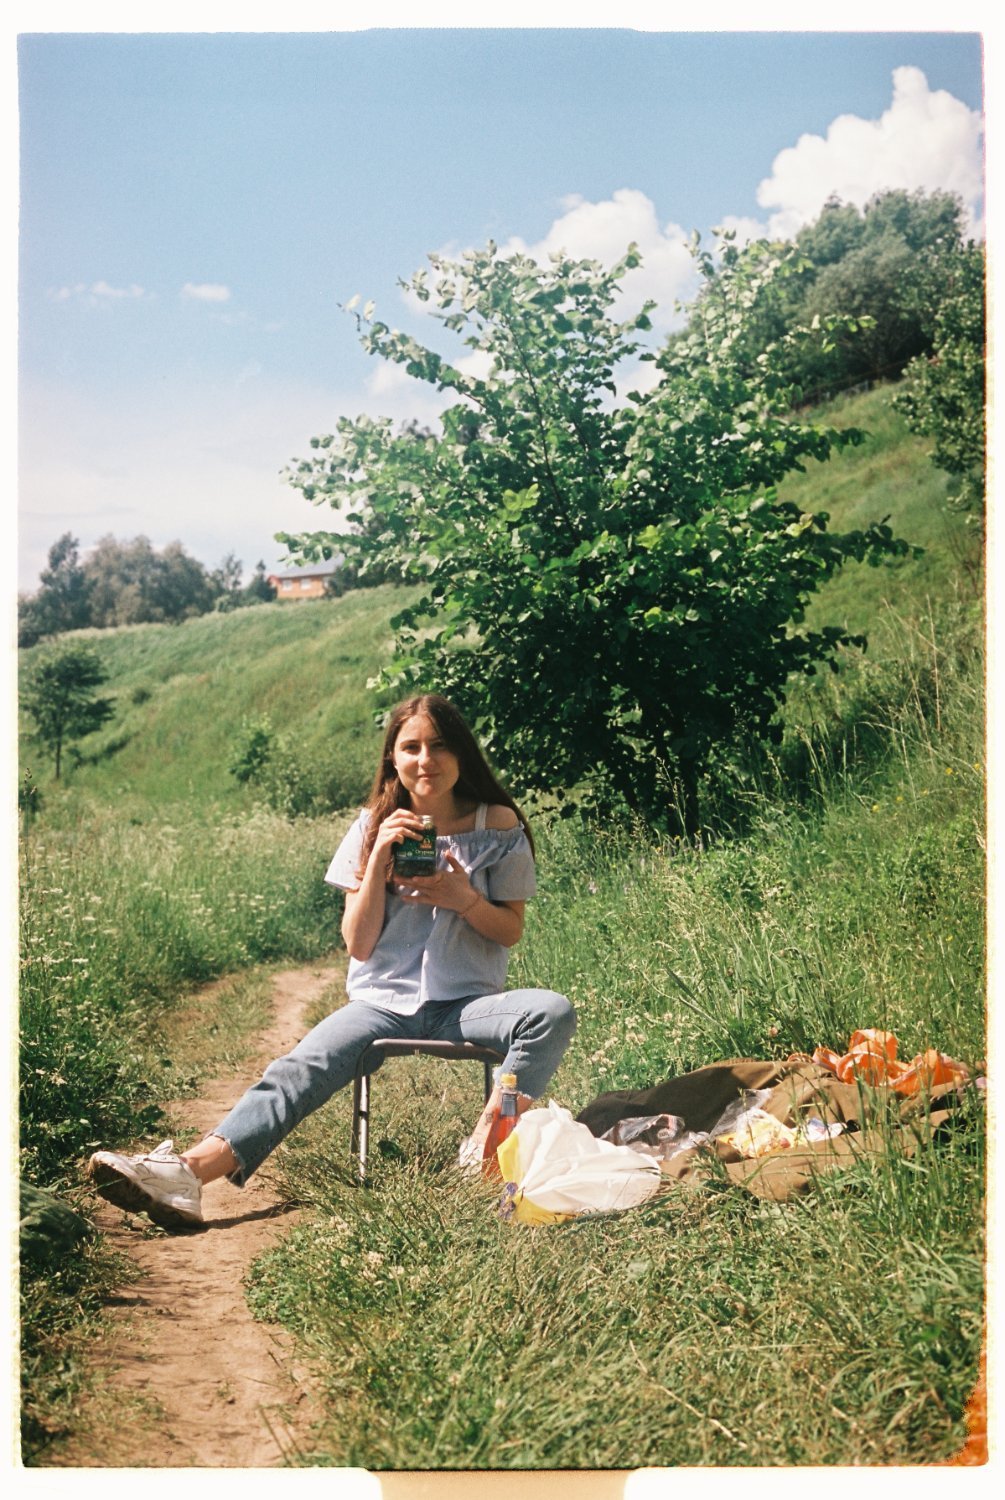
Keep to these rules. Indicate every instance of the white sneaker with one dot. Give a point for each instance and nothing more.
(159, 1182)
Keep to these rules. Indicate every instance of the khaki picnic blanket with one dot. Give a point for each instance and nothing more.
(876, 1120)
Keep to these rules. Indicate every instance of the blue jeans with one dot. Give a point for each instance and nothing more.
(531, 1027)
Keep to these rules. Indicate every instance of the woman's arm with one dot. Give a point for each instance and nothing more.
(363, 918)
(502, 921)
(451, 889)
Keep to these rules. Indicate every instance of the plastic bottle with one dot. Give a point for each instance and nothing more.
(502, 1124)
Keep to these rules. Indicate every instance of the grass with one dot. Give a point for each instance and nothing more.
(706, 1327)
(62, 1306)
(118, 922)
(841, 884)
(703, 1328)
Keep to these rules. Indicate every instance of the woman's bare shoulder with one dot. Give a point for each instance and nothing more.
(498, 816)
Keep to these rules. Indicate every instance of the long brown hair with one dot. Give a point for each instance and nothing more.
(477, 782)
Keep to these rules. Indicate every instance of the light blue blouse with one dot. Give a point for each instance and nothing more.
(428, 953)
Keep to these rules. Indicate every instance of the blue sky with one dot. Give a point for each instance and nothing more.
(193, 208)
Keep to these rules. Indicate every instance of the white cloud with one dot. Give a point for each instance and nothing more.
(477, 365)
(205, 291)
(925, 140)
(97, 292)
(603, 231)
(102, 289)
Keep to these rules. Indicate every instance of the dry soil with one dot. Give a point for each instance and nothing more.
(186, 1377)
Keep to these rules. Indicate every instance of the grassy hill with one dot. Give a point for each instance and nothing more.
(183, 691)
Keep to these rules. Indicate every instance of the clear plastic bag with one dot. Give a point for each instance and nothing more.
(656, 1135)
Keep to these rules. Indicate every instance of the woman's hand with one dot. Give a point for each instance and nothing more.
(397, 826)
(450, 889)
(363, 917)
(499, 921)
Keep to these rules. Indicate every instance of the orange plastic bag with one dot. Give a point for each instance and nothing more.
(872, 1058)
(927, 1071)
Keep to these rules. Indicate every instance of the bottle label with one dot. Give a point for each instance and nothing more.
(416, 856)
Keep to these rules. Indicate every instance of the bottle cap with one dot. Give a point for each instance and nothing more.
(427, 821)
(508, 1080)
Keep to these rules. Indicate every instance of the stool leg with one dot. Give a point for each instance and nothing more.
(361, 1121)
(488, 1081)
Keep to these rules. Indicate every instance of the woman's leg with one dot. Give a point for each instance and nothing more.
(532, 1028)
(169, 1187)
(290, 1089)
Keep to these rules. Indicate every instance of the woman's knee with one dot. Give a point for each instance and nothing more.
(555, 1011)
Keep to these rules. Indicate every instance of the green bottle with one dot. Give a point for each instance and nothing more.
(417, 855)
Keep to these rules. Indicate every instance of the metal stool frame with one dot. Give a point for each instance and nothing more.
(405, 1047)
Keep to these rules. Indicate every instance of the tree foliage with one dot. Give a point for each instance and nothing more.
(881, 266)
(59, 698)
(63, 598)
(132, 583)
(944, 393)
(611, 589)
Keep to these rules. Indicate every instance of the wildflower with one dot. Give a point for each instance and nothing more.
(875, 807)
(949, 770)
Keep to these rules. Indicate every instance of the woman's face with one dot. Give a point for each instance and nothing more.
(425, 767)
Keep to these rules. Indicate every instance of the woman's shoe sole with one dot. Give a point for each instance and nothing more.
(115, 1187)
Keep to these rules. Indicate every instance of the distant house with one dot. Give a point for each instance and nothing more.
(307, 582)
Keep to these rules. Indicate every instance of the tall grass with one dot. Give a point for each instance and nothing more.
(861, 905)
(117, 921)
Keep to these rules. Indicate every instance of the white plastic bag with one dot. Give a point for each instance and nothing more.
(554, 1168)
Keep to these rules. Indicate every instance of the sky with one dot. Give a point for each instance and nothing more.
(196, 205)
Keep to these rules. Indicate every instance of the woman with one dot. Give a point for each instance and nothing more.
(428, 959)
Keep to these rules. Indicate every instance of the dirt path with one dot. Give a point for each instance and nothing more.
(221, 1390)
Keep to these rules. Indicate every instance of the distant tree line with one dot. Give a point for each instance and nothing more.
(130, 583)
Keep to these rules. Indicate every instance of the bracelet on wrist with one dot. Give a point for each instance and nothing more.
(471, 905)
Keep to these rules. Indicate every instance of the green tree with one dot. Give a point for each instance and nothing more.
(882, 267)
(833, 234)
(62, 601)
(881, 285)
(131, 583)
(59, 698)
(225, 582)
(612, 588)
(944, 393)
(259, 590)
(925, 222)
